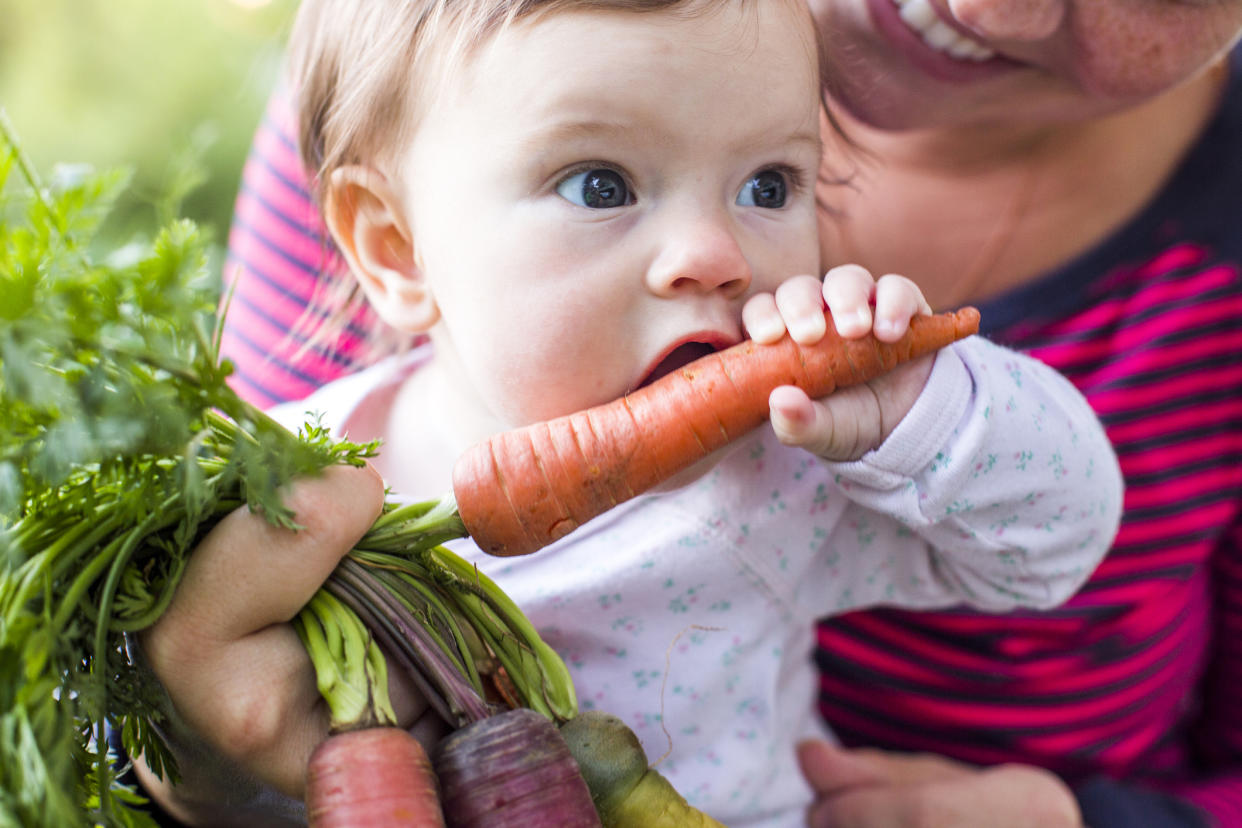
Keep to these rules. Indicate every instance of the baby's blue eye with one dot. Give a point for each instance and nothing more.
(599, 189)
(766, 188)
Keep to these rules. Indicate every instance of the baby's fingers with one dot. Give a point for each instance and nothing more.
(801, 304)
(848, 290)
(762, 320)
(794, 418)
(841, 427)
(897, 299)
(797, 306)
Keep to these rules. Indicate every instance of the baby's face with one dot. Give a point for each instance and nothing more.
(597, 193)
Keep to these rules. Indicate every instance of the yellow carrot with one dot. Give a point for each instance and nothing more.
(627, 793)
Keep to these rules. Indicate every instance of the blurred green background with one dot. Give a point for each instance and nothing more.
(171, 89)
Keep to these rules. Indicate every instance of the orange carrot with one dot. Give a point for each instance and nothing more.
(377, 776)
(523, 489)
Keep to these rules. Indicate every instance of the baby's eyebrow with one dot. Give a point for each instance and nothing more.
(576, 128)
(583, 128)
(809, 137)
(769, 140)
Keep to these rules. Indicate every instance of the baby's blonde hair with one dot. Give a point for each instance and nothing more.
(362, 72)
(354, 64)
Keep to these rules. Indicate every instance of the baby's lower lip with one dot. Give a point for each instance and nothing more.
(679, 357)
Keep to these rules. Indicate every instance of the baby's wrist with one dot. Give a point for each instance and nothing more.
(901, 395)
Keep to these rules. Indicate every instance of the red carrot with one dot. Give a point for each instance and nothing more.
(512, 770)
(368, 771)
(377, 776)
(523, 489)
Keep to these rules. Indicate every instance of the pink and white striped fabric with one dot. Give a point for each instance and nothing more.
(281, 257)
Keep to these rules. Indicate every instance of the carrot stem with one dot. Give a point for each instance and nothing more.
(350, 669)
(407, 639)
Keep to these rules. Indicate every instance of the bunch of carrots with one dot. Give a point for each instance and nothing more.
(122, 445)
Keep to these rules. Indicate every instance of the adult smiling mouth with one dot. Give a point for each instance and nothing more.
(921, 18)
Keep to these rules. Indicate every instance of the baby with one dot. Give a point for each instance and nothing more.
(572, 197)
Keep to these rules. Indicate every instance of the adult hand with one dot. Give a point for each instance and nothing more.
(248, 714)
(867, 788)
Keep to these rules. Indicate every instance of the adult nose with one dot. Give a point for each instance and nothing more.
(700, 255)
(1011, 20)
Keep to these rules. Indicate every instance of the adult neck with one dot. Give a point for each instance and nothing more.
(971, 212)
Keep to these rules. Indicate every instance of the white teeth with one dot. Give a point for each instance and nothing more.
(919, 15)
(923, 21)
(940, 37)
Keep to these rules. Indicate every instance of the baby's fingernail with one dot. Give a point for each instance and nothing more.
(766, 331)
(854, 323)
(807, 330)
(887, 327)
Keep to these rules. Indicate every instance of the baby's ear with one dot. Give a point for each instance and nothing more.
(364, 212)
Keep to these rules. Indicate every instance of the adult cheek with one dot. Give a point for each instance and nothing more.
(1134, 55)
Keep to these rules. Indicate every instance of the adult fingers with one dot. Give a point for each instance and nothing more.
(1014, 796)
(255, 702)
(236, 672)
(247, 573)
(829, 768)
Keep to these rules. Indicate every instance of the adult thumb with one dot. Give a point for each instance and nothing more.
(830, 770)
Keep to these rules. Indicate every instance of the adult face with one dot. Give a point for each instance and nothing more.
(910, 64)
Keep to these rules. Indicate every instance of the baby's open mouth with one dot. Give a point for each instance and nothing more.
(679, 357)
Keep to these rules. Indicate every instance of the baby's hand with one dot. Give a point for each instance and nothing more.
(850, 422)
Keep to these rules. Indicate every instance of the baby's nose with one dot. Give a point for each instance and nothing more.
(701, 255)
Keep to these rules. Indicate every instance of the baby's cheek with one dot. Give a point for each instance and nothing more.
(543, 384)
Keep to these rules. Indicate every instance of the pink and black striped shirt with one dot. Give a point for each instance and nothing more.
(280, 258)
(1139, 677)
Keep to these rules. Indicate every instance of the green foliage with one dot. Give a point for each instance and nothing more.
(120, 445)
(173, 88)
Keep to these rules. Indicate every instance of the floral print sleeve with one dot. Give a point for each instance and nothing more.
(1001, 486)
